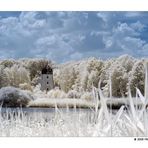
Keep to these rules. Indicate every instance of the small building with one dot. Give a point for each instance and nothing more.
(47, 79)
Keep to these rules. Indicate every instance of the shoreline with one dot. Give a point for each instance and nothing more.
(78, 103)
(44, 103)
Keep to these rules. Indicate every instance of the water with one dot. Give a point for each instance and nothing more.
(46, 113)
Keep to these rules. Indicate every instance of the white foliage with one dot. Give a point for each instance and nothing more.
(136, 77)
(118, 71)
(13, 97)
(8, 63)
(56, 93)
(87, 96)
(67, 78)
(78, 76)
(3, 77)
(17, 75)
(34, 66)
(38, 93)
(73, 94)
(25, 86)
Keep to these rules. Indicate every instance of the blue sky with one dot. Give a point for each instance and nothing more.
(64, 36)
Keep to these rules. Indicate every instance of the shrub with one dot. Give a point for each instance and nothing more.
(56, 93)
(14, 97)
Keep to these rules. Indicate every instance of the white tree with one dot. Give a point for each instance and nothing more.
(17, 75)
(34, 66)
(136, 77)
(67, 78)
(3, 77)
(118, 71)
(94, 69)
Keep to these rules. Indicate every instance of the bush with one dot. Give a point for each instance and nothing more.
(56, 93)
(73, 94)
(87, 96)
(14, 97)
(25, 86)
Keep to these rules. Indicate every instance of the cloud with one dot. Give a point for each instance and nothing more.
(53, 47)
(132, 14)
(138, 26)
(63, 36)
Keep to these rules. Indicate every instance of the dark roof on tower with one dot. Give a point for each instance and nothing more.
(47, 70)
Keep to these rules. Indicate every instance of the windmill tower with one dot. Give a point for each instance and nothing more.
(47, 79)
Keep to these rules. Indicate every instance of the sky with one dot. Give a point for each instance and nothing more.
(65, 36)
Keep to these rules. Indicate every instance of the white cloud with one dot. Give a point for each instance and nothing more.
(132, 14)
(64, 36)
(138, 26)
(123, 29)
(76, 56)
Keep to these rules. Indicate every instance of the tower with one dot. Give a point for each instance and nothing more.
(47, 79)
